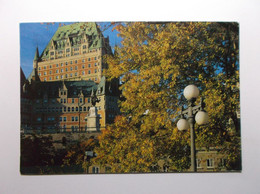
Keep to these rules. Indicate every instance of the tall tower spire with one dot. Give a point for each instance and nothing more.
(36, 56)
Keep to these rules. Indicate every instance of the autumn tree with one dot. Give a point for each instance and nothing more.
(76, 155)
(37, 154)
(155, 62)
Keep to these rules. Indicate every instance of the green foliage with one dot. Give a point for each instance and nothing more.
(155, 62)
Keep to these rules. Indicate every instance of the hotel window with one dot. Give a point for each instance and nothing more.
(64, 100)
(61, 70)
(61, 100)
(198, 163)
(50, 78)
(95, 58)
(89, 72)
(89, 65)
(76, 67)
(57, 65)
(52, 53)
(64, 118)
(88, 100)
(72, 100)
(68, 109)
(50, 72)
(61, 76)
(76, 118)
(83, 66)
(95, 64)
(44, 79)
(39, 68)
(71, 68)
(76, 74)
(83, 72)
(83, 60)
(76, 49)
(66, 69)
(88, 59)
(223, 162)
(66, 63)
(67, 50)
(57, 71)
(72, 109)
(80, 108)
(95, 170)
(210, 163)
(57, 77)
(45, 73)
(50, 66)
(84, 109)
(95, 70)
(80, 100)
(76, 61)
(84, 46)
(61, 64)
(71, 75)
(71, 62)
(64, 109)
(72, 118)
(60, 118)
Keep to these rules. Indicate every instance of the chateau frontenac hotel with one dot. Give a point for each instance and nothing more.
(56, 97)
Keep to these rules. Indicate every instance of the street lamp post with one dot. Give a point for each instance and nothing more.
(193, 113)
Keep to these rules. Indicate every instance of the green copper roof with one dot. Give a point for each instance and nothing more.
(75, 33)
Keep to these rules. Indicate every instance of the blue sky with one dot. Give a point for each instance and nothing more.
(39, 34)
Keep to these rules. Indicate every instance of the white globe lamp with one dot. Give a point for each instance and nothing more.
(191, 91)
(183, 124)
(201, 117)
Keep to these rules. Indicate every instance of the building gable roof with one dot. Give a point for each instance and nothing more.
(74, 33)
